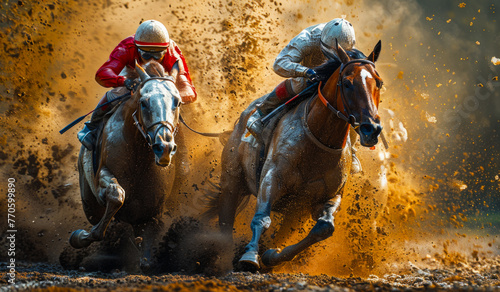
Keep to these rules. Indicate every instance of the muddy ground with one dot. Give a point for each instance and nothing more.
(481, 275)
(192, 258)
(437, 227)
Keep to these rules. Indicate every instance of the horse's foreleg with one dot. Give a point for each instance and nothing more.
(262, 219)
(323, 229)
(149, 233)
(110, 194)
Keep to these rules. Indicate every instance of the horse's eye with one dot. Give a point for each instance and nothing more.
(144, 104)
(380, 83)
(347, 83)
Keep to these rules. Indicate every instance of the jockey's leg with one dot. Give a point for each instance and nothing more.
(281, 94)
(87, 135)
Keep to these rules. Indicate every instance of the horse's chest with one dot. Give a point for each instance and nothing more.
(325, 173)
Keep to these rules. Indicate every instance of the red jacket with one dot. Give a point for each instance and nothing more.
(126, 53)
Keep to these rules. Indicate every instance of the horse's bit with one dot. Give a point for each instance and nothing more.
(145, 131)
(350, 119)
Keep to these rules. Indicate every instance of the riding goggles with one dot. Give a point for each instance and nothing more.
(147, 55)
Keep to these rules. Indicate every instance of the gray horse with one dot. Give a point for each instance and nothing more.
(134, 173)
(307, 161)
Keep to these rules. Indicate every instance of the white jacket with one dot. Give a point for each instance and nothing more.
(301, 53)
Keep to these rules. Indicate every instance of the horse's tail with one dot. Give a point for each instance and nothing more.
(213, 197)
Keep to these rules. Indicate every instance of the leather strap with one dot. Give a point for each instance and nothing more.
(339, 114)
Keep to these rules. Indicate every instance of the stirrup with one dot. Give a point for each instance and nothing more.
(87, 136)
(256, 129)
(255, 126)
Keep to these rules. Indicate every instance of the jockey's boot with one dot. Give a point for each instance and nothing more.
(88, 135)
(274, 99)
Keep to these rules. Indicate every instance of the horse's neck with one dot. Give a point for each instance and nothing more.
(129, 107)
(323, 123)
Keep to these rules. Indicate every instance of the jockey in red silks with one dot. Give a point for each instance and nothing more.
(310, 48)
(151, 41)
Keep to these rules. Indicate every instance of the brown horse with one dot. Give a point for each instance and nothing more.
(308, 158)
(134, 173)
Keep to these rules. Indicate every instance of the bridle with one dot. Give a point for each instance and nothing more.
(350, 119)
(144, 130)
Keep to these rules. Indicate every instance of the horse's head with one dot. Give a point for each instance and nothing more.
(158, 112)
(359, 85)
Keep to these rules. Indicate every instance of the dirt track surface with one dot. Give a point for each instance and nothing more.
(480, 275)
(52, 50)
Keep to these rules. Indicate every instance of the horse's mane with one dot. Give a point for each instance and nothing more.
(326, 69)
(153, 68)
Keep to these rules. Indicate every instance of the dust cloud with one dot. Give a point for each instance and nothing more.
(438, 78)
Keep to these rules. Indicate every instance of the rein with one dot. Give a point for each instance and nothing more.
(145, 130)
(350, 119)
(173, 129)
(200, 133)
(72, 124)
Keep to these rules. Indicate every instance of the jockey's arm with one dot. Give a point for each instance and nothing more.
(175, 70)
(108, 74)
(183, 82)
(287, 64)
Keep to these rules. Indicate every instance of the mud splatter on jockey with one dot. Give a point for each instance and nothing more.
(310, 48)
(151, 41)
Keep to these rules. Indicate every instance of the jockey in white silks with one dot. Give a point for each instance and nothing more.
(310, 48)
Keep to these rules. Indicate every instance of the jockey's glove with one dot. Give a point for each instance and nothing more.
(131, 84)
(311, 75)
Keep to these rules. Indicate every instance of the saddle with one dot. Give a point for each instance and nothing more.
(268, 131)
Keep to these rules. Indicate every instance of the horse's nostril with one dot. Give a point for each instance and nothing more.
(157, 149)
(367, 129)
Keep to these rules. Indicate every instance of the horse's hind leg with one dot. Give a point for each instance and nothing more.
(229, 200)
(323, 229)
(112, 195)
(233, 186)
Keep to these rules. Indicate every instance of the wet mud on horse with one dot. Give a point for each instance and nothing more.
(135, 171)
(308, 159)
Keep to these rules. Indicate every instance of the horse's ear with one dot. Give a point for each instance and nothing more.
(344, 58)
(142, 73)
(376, 52)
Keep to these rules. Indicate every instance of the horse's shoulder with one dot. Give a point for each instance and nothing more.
(112, 131)
(292, 120)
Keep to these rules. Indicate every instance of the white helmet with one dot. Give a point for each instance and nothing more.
(151, 33)
(341, 30)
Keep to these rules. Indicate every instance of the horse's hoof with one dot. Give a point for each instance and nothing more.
(270, 257)
(251, 257)
(79, 239)
(145, 265)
